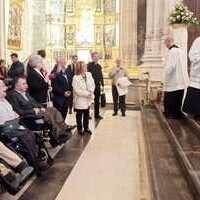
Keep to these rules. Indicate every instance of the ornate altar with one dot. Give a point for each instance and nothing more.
(82, 26)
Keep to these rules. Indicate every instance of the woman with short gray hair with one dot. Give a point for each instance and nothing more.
(38, 84)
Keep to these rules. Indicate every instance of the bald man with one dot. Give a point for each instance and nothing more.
(118, 101)
(176, 80)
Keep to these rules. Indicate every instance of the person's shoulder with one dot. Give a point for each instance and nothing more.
(20, 63)
(197, 40)
(90, 64)
(88, 74)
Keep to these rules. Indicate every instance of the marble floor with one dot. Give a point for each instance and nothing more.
(113, 164)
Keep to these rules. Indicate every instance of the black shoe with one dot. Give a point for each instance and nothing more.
(53, 143)
(21, 167)
(99, 117)
(114, 114)
(88, 131)
(80, 132)
(123, 115)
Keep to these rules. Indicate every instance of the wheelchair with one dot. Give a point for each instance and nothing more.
(39, 127)
(40, 160)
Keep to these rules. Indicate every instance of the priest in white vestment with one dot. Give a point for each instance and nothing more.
(176, 80)
(192, 100)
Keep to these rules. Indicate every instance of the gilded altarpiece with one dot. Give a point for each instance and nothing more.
(15, 26)
(89, 25)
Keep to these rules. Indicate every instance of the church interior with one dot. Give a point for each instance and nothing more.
(141, 155)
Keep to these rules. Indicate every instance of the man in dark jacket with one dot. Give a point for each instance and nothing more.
(96, 71)
(24, 105)
(62, 88)
(17, 68)
(71, 69)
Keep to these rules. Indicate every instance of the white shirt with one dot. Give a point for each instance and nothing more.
(194, 56)
(6, 111)
(176, 73)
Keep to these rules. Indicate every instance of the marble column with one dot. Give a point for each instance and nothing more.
(39, 34)
(128, 32)
(153, 56)
(2, 30)
(157, 29)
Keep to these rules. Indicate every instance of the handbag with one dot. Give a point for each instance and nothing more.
(103, 100)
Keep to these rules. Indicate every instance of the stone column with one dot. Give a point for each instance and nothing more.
(2, 30)
(153, 56)
(128, 32)
(157, 29)
(39, 37)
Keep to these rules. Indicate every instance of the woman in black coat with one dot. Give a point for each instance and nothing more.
(38, 84)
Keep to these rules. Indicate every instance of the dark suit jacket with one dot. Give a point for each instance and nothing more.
(71, 68)
(38, 87)
(16, 70)
(96, 71)
(60, 86)
(20, 105)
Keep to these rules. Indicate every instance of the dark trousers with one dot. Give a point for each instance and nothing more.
(118, 101)
(82, 119)
(62, 108)
(97, 94)
(173, 103)
(70, 103)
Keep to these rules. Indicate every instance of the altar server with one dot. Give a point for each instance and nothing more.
(191, 104)
(176, 80)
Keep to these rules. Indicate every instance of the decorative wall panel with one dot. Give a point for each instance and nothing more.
(15, 26)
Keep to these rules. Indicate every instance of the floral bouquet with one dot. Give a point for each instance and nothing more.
(182, 15)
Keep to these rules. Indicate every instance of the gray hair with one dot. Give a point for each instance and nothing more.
(35, 60)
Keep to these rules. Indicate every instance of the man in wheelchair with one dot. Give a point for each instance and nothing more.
(31, 111)
(19, 138)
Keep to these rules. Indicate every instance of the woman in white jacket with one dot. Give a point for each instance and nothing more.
(83, 90)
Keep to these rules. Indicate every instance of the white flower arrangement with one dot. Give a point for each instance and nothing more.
(182, 15)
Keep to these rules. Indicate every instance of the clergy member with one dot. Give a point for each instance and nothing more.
(176, 80)
(191, 104)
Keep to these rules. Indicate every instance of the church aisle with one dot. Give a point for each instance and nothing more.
(113, 164)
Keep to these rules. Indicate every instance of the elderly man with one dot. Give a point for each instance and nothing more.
(119, 101)
(9, 120)
(176, 80)
(191, 104)
(96, 70)
(25, 105)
